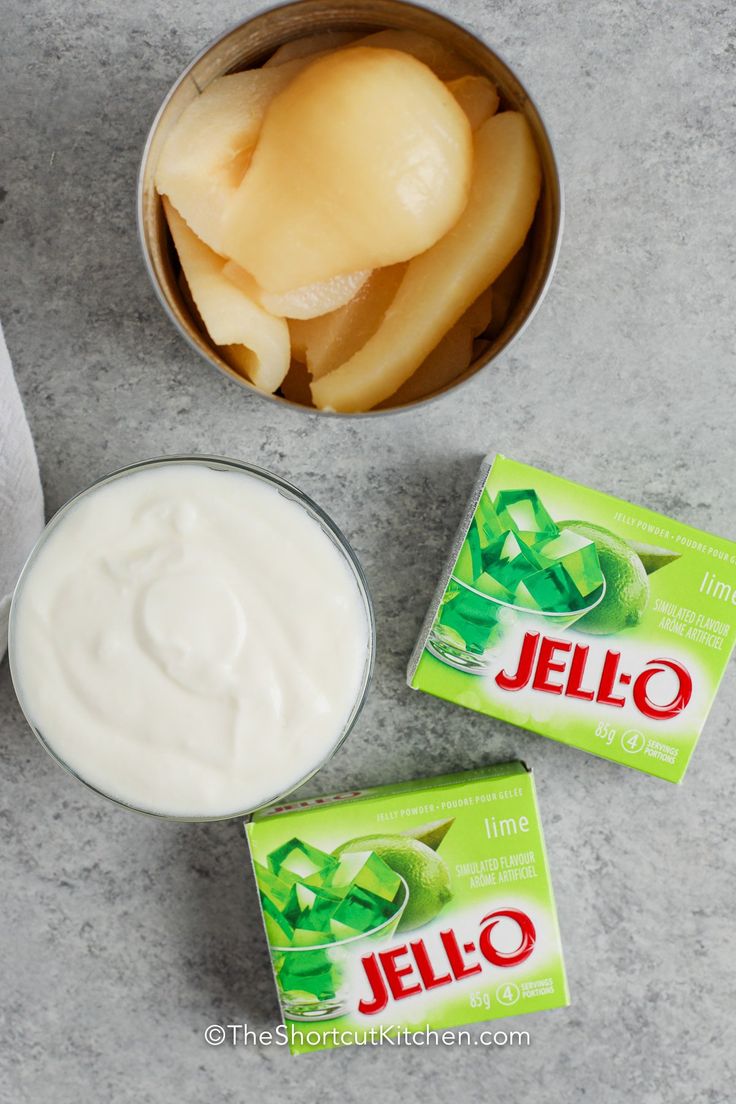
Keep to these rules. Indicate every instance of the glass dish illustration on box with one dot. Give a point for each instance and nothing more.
(318, 909)
(514, 562)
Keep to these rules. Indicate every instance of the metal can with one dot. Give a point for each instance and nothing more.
(248, 45)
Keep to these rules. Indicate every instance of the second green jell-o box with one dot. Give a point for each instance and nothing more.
(581, 617)
(420, 905)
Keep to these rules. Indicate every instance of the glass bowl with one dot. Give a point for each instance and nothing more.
(485, 621)
(294, 495)
(315, 982)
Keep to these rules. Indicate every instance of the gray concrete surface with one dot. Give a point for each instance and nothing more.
(123, 938)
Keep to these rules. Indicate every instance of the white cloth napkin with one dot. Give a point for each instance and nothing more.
(21, 497)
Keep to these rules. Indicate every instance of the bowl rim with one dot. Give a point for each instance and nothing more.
(281, 401)
(294, 494)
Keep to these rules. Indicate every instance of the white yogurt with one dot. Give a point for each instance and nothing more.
(189, 641)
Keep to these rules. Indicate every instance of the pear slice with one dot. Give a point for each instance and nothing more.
(208, 150)
(450, 358)
(363, 160)
(440, 285)
(477, 97)
(230, 317)
(327, 342)
(444, 62)
(240, 358)
(310, 45)
(237, 356)
(307, 302)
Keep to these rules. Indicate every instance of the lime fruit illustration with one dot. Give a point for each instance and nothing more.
(627, 585)
(424, 871)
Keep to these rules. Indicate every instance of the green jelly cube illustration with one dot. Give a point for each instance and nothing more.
(365, 870)
(524, 512)
(469, 563)
(500, 551)
(362, 910)
(551, 590)
(343, 931)
(471, 618)
(309, 937)
(270, 885)
(297, 860)
(508, 560)
(428, 945)
(487, 583)
(279, 933)
(312, 907)
(578, 556)
(278, 928)
(307, 971)
(276, 897)
(487, 519)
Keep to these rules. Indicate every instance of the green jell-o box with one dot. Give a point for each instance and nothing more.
(581, 617)
(416, 907)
